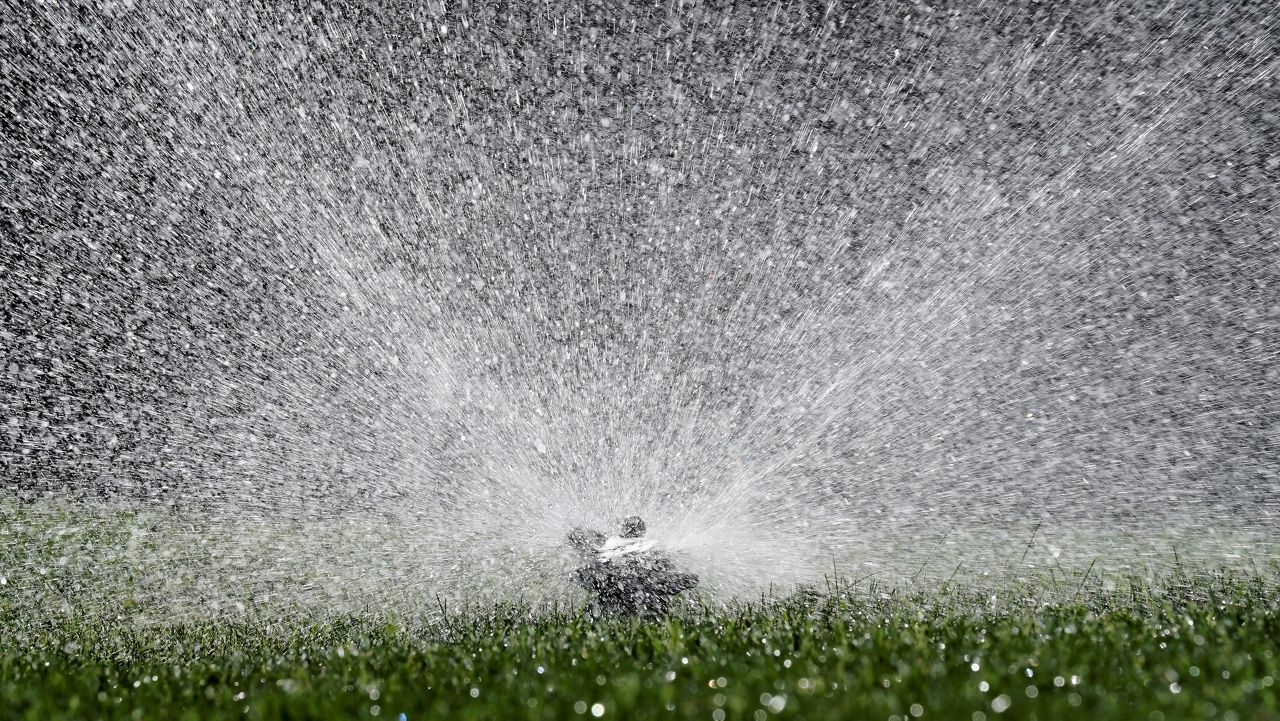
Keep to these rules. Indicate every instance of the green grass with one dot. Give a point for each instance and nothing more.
(1192, 646)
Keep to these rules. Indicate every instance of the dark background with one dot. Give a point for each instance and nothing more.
(919, 256)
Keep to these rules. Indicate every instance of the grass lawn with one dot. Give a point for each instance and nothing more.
(1192, 646)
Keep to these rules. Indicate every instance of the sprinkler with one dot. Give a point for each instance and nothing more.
(627, 575)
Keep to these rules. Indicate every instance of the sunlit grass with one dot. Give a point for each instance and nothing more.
(1191, 646)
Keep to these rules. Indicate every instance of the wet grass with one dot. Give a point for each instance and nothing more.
(1192, 646)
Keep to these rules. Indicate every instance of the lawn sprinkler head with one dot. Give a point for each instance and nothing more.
(628, 575)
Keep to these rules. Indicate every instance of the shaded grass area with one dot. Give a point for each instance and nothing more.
(1190, 646)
